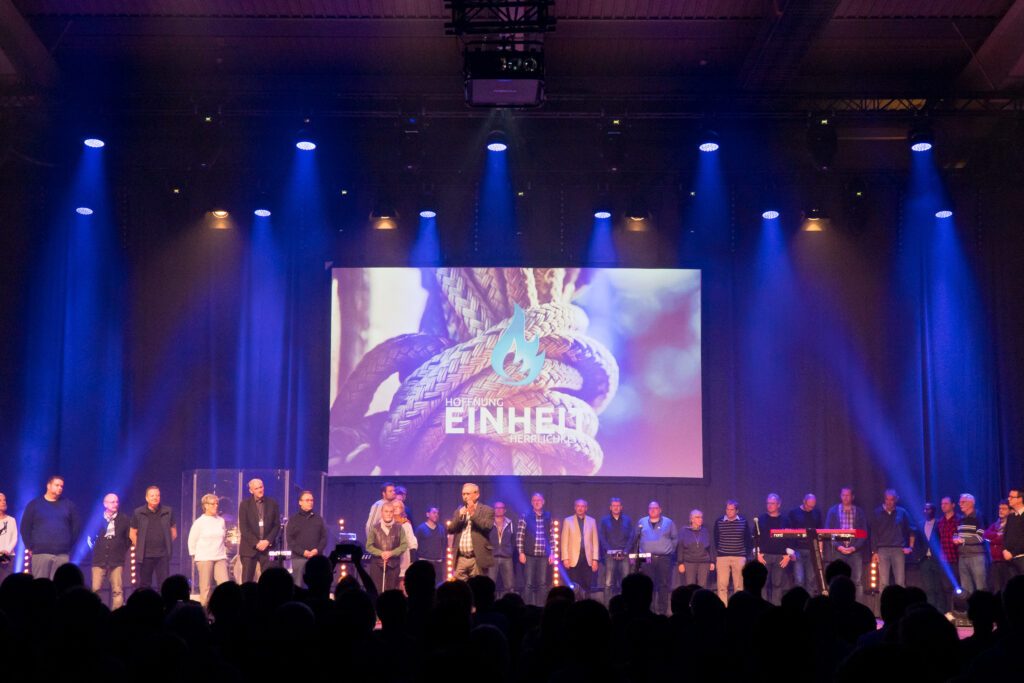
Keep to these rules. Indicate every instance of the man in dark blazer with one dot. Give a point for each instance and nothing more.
(259, 521)
(471, 527)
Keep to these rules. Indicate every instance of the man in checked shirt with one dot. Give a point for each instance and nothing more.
(533, 541)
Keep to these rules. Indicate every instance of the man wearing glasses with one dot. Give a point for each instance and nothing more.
(1013, 541)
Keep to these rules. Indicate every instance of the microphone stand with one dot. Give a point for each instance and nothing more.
(639, 533)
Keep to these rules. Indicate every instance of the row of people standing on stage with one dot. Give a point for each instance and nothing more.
(954, 552)
(51, 524)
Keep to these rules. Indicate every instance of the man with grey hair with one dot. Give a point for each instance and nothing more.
(970, 539)
(695, 551)
(891, 537)
(259, 522)
(8, 540)
(471, 527)
(580, 549)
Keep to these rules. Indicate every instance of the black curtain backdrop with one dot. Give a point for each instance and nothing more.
(887, 356)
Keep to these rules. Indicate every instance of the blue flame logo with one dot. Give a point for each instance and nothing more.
(525, 359)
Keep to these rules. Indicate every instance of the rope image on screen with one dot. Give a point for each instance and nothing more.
(453, 412)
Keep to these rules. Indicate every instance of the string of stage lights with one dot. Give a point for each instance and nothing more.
(821, 140)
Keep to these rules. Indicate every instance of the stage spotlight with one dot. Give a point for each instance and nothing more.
(770, 215)
(95, 143)
(815, 220)
(305, 145)
(219, 213)
(83, 211)
(920, 136)
(262, 213)
(428, 213)
(602, 214)
(383, 216)
(637, 216)
(709, 142)
(496, 141)
(944, 213)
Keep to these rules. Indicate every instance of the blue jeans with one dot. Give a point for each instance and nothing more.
(803, 572)
(891, 560)
(504, 575)
(778, 578)
(660, 569)
(614, 571)
(856, 562)
(536, 580)
(972, 573)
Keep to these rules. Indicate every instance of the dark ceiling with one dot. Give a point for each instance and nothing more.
(600, 49)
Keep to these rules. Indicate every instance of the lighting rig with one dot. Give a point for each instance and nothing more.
(502, 49)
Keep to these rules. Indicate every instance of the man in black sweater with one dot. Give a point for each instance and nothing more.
(807, 516)
(49, 528)
(1013, 540)
(774, 553)
(306, 535)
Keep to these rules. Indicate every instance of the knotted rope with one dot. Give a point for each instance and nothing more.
(468, 311)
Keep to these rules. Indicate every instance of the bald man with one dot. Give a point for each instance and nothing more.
(109, 549)
(259, 520)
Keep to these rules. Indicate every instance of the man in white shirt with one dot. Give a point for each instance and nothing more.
(387, 495)
(8, 540)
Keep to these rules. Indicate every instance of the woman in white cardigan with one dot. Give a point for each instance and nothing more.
(206, 546)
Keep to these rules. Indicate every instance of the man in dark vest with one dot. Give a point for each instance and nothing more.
(386, 543)
(533, 541)
(153, 532)
(259, 521)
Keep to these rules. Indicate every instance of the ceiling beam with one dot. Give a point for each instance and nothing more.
(998, 65)
(788, 33)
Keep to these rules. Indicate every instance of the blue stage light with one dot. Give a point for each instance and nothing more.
(943, 213)
(921, 146)
(262, 213)
(95, 143)
(83, 211)
(709, 146)
(428, 213)
(496, 141)
(306, 145)
(602, 214)
(770, 215)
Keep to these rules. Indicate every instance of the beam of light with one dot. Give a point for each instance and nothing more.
(601, 251)
(74, 369)
(426, 251)
(496, 218)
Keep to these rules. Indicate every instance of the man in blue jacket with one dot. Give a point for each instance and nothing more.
(658, 537)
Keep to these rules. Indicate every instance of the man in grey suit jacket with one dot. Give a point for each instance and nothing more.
(471, 526)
